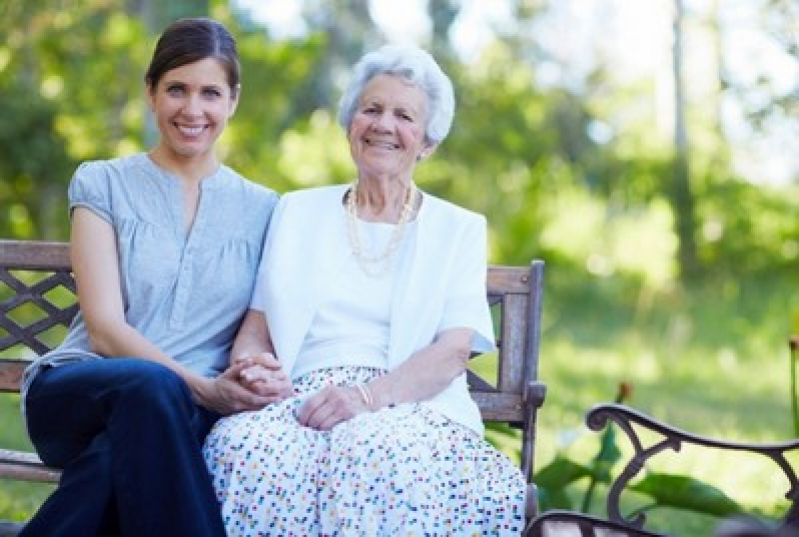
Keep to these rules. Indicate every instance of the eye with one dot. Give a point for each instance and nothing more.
(212, 93)
(404, 115)
(175, 90)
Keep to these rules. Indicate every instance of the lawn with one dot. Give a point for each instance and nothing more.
(17, 500)
(713, 360)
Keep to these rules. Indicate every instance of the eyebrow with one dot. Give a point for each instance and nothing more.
(170, 83)
(402, 107)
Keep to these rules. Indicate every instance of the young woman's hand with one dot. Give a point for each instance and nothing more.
(248, 384)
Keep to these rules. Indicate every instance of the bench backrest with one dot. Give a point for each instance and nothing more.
(37, 303)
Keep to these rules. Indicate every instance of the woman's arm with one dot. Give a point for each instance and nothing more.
(252, 348)
(427, 372)
(94, 256)
(422, 376)
(252, 338)
(93, 250)
(465, 316)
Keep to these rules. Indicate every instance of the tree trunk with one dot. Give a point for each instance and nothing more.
(682, 202)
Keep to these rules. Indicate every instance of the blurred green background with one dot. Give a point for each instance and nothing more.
(661, 192)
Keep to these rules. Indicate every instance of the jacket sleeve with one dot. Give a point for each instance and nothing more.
(465, 304)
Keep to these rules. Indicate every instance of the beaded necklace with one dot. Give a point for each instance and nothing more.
(377, 265)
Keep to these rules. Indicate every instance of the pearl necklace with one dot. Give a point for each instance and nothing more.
(375, 266)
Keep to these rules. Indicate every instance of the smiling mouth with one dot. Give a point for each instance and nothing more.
(192, 131)
(381, 144)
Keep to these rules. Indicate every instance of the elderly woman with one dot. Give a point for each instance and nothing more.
(372, 297)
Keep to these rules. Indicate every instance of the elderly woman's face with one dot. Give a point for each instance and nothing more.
(387, 133)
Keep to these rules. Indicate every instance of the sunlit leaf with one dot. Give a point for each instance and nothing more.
(559, 473)
(687, 493)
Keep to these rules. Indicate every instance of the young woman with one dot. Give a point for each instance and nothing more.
(165, 246)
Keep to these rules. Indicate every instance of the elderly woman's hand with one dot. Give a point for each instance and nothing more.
(330, 406)
(249, 383)
(263, 374)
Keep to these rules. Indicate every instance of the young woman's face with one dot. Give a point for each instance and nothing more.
(387, 133)
(192, 105)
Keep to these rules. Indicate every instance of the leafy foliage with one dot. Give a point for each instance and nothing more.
(684, 492)
(663, 490)
(34, 163)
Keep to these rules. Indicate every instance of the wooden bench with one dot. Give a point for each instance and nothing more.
(648, 438)
(37, 302)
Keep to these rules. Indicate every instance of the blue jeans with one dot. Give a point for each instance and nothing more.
(129, 439)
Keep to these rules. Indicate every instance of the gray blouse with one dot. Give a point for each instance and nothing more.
(187, 293)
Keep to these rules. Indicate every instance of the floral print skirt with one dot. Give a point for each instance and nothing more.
(405, 470)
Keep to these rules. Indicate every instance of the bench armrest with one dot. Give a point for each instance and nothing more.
(631, 421)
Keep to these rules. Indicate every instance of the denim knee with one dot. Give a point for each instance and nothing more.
(152, 388)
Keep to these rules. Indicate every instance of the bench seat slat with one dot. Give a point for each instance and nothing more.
(25, 466)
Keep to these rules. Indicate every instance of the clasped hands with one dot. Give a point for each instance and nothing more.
(254, 381)
(250, 383)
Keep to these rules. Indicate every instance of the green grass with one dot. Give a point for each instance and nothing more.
(18, 500)
(713, 395)
(711, 360)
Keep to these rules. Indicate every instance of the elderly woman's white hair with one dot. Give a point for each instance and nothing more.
(414, 65)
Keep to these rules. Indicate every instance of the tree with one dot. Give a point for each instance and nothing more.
(682, 200)
(34, 165)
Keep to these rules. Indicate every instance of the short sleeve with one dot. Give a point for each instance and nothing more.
(466, 303)
(89, 188)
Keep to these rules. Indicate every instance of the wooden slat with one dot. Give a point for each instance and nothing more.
(535, 307)
(496, 406)
(514, 343)
(34, 255)
(25, 466)
(10, 529)
(503, 279)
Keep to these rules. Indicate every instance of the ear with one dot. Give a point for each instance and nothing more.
(150, 94)
(234, 100)
(428, 150)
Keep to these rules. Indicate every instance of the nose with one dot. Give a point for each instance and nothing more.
(193, 105)
(382, 122)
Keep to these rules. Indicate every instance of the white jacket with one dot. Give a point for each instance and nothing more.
(442, 282)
